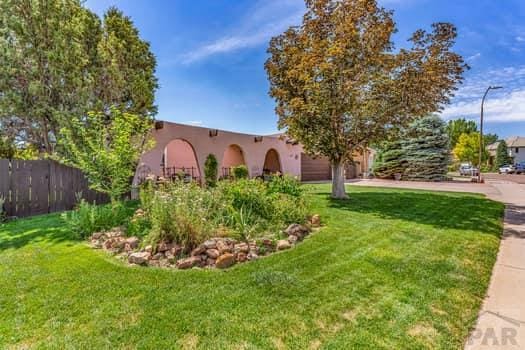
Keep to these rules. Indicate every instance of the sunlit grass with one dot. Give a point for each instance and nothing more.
(390, 269)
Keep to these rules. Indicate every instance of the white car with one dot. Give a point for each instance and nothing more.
(507, 169)
(468, 170)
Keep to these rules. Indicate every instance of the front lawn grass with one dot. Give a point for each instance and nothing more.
(391, 269)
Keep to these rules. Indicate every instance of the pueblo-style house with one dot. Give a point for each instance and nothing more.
(181, 148)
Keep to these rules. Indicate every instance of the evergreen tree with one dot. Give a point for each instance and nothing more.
(421, 154)
(426, 150)
(127, 67)
(502, 154)
(59, 60)
(389, 160)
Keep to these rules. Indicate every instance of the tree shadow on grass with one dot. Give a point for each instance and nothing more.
(441, 210)
(49, 229)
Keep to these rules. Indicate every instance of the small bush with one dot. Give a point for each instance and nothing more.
(182, 213)
(240, 172)
(211, 170)
(138, 226)
(285, 184)
(249, 195)
(288, 209)
(89, 218)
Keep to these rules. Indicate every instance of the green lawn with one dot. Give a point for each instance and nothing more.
(390, 269)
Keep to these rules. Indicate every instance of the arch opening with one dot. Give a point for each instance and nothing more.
(233, 156)
(272, 163)
(180, 161)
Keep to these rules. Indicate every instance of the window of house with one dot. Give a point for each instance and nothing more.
(517, 150)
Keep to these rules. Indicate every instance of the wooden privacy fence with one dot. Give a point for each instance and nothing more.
(33, 187)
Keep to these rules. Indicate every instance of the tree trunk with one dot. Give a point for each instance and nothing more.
(338, 180)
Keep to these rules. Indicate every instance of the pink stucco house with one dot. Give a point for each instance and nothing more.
(184, 148)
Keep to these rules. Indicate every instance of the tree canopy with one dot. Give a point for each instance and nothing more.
(467, 149)
(340, 85)
(456, 127)
(59, 60)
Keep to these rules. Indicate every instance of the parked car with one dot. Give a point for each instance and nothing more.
(468, 170)
(506, 169)
(519, 168)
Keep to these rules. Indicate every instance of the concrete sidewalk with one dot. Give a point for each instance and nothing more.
(501, 321)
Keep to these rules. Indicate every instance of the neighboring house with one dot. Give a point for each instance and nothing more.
(183, 148)
(515, 146)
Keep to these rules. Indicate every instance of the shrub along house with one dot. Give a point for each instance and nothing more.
(181, 148)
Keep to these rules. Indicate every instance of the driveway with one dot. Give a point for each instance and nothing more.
(501, 322)
(518, 178)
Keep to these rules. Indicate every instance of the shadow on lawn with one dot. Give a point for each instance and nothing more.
(46, 229)
(436, 209)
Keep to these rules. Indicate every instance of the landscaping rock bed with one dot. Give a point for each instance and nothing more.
(218, 252)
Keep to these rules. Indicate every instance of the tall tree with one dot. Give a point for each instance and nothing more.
(456, 127)
(127, 67)
(421, 153)
(489, 139)
(467, 149)
(339, 85)
(502, 154)
(45, 69)
(426, 150)
(59, 60)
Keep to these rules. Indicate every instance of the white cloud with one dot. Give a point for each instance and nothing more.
(509, 107)
(473, 57)
(266, 19)
(505, 105)
(520, 39)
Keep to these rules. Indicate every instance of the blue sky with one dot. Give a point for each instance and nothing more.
(211, 53)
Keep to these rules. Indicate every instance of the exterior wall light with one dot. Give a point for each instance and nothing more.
(258, 138)
(159, 124)
(214, 132)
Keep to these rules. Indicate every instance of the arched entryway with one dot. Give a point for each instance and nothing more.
(272, 163)
(233, 156)
(180, 161)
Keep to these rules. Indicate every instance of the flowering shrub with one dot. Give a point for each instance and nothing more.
(188, 214)
(179, 212)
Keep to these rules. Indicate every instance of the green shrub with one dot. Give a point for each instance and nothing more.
(285, 184)
(249, 195)
(146, 196)
(288, 209)
(89, 218)
(245, 209)
(138, 226)
(211, 170)
(183, 213)
(240, 172)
